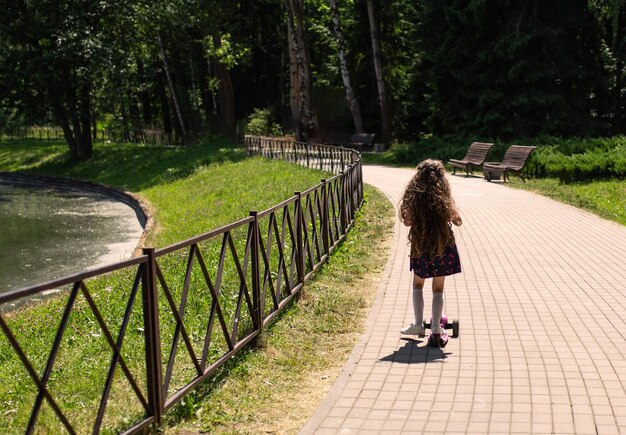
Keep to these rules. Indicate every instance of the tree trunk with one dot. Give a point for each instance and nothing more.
(182, 82)
(124, 115)
(135, 117)
(205, 92)
(94, 125)
(294, 80)
(617, 47)
(170, 83)
(378, 67)
(165, 105)
(73, 114)
(146, 106)
(226, 94)
(353, 103)
(304, 119)
(86, 144)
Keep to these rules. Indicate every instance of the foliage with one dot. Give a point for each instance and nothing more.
(501, 70)
(48, 58)
(260, 123)
(439, 147)
(512, 69)
(581, 160)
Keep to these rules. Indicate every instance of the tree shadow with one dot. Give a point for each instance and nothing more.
(133, 167)
(411, 353)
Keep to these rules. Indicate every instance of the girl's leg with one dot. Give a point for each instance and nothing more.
(418, 308)
(438, 283)
(418, 299)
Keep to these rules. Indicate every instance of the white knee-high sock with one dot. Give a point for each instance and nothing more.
(418, 305)
(437, 310)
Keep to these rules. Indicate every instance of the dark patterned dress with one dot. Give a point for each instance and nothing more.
(448, 263)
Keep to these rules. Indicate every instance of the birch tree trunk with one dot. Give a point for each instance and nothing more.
(170, 84)
(353, 103)
(385, 116)
(294, 78)
(300, 69)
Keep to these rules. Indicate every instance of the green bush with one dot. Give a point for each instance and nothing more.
(583, 159)
(443, 148)
(568, 159)
(261, 123)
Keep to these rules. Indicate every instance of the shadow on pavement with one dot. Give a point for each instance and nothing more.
(411, 353)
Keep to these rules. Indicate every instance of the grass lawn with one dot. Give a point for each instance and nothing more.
(606, 198)
(192, 191)
(276, 387)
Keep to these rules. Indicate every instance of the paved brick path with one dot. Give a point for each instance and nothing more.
(542, 310)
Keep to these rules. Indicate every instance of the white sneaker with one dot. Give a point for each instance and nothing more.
(413, 329)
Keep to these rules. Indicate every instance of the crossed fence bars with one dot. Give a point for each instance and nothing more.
(201, 301)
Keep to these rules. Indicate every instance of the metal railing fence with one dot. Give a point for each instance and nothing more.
(122, 344)
(145, 136)
(323, 157)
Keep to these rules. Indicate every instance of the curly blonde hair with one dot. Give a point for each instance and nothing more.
(427, 206)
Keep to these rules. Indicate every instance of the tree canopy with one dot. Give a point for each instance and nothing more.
(498, 69)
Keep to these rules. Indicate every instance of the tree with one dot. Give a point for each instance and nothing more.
(223, 58)
(512, 69)
(300, 73)
(172, 88)
(500, 69)
(51, 51)
(611, 20)
(385, 114)
(343, 65)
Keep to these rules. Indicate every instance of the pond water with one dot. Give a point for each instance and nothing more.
(48, 233)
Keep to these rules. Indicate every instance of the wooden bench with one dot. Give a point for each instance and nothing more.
(513, 162)
(474, 158)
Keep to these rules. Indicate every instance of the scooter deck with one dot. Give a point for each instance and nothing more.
(454, 325)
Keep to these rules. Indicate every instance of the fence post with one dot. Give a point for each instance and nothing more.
(325, 223)
(152, 336)
(319, 152)
(352, 186)
(360, 183)
(343, 202)
(299, 240)
(256, 271)
(306, 149)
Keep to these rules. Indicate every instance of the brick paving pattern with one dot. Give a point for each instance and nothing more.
(542, 310)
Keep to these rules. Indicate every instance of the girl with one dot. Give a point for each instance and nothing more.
(428, 208)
